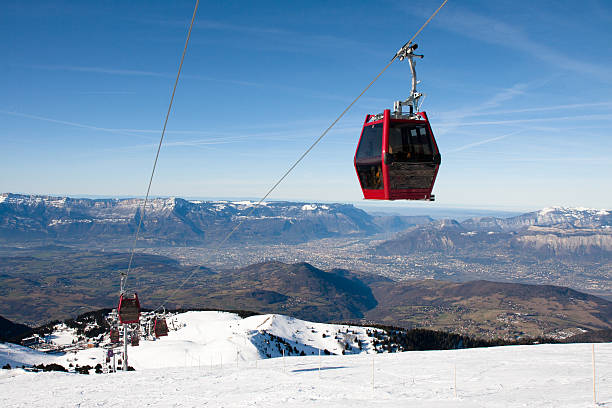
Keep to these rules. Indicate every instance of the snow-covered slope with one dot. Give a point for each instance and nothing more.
(198, 338)
(16, 356)
(557, 376)
(223, 338)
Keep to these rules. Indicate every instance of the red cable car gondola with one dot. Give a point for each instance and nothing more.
(128, 309)
(160, 328)
(397, 157)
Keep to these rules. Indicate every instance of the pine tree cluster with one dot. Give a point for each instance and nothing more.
(395, 339)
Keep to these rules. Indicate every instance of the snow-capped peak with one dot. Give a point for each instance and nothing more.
(573, 211)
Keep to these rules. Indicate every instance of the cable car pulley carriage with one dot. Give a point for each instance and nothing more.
(397, 157)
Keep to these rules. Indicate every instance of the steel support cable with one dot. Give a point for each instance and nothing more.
(312, 146)
(124, 275)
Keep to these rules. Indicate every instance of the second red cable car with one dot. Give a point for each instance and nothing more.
(160, 328)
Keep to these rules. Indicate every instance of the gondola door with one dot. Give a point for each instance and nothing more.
(410, 159)
(368, 159)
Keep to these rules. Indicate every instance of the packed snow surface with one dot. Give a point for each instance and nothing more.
(16, 355)
(517, 376)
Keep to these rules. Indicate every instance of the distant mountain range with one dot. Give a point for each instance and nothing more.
(173, 221)
(168, 221)
(550, 232)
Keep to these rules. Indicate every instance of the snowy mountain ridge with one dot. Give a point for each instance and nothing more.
(154, 205)
(577, 216)
(38, 217)
(565, 217)
(575, 211)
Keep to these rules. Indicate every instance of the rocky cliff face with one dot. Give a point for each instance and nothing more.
(174, 220)
(565, 242)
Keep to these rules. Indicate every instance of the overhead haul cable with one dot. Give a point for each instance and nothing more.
(124, 275)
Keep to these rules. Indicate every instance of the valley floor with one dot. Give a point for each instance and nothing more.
(516, 376)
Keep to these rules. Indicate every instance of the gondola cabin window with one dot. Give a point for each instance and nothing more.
(368, 159)
(410, 143)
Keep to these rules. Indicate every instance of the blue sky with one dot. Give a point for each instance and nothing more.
(519, 95)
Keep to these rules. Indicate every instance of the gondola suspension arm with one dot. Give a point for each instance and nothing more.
(407, 52)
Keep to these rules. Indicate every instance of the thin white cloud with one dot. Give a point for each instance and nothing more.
(211, 25)
(98, 70)
(136, 72)
(451, 120)
(595, 160)
(275, 38)
(535, 120)
(570, 107)
(494, 101)
(482, 142)
(492, 31)
(67, 123)
(261, 131)
(216, 25)
(303, 92)
(206, 143)
(105, 92)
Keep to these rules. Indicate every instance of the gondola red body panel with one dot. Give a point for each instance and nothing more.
(129, 309)
(397, 157)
